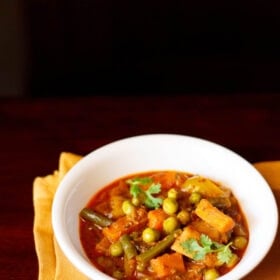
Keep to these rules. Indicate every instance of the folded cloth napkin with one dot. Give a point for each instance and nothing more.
(54, 265)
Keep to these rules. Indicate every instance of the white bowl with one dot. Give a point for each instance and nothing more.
(165, 152)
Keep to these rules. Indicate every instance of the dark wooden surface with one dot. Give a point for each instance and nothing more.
(35, 131)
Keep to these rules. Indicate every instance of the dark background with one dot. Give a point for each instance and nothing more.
(217, 60)
(84, 47)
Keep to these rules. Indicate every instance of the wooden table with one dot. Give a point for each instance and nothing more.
(35, 131)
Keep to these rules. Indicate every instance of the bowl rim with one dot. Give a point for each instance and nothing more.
(63, 239)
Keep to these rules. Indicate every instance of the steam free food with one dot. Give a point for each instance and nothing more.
(164, 225)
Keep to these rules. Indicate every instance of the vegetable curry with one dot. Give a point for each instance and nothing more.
(164, 225)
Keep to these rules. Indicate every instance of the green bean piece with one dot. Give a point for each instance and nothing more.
(220, 202)
(157, 249)
(94, 217)
(128, 247)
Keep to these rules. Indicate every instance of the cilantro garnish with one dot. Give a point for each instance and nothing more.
(151, 201)
(135, 190)
(205, 246)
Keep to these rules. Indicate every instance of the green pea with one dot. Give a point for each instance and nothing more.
(170, 205)
(211, 274)
(117, 274)
(116, 249)
(195, 197)
(150, 235)
(183, 217)
(170, 224)
(141, 266)
(233, 261)
(128, 208)
(136, 201)
(139, 199)
(172, 193)
(240, 242)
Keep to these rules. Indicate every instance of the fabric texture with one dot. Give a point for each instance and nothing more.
(52, 262)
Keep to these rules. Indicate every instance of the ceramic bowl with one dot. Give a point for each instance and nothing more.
(165, 152)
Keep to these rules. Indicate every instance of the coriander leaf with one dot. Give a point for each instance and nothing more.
(151, 201)
(225, 254)
(205, 240)
(139, 181)
(218, 245)
(135, 189)
(154, 188)
(198, 250)
(191, 246)
(200, 255)
(135, 183)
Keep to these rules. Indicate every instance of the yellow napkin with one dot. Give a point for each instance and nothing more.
(54, 265)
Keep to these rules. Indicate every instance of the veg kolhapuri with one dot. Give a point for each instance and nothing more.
(164, 225)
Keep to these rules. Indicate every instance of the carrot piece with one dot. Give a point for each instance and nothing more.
(116, 229)
(166, 179)
(168, 264)
(213, 216)
(125, 225)
(156, 218)
(129, 266)
(103, 246)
